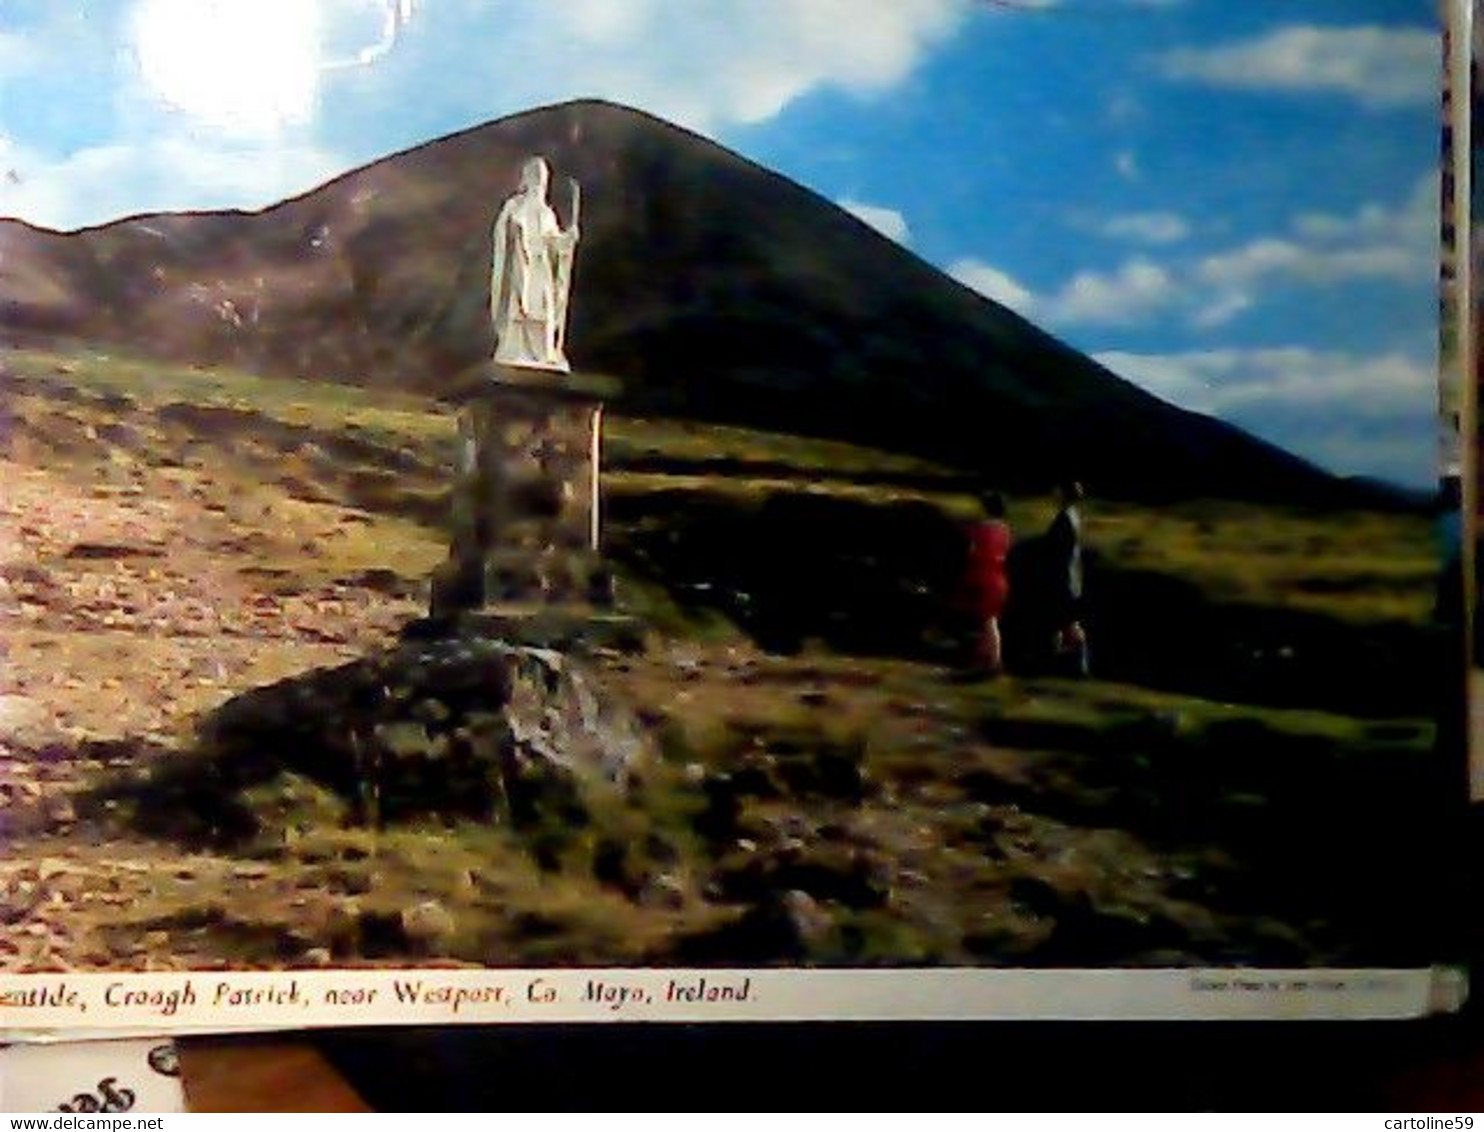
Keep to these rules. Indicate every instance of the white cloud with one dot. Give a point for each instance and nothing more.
(1141, 227)
(1038, 5)
(121, 180)
(1121, 297)
(1377, 242)
(1271, 256)
(708, 63)
(1396, 244)
(15, 54)
(243, 67)
(1356, 414)
(1123, 109)
(1226, 380)
(994, 284)
(236, 74)
(213, 105)
(1009, 7)
(1378, 67)
(252, 68)
(352, 42)
(1220, 309)
(600, 21)
(888, 221)
(1414, 221)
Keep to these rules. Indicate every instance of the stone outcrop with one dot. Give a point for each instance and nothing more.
(454, 728)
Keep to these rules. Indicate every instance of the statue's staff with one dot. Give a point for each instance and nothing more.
(564, 267)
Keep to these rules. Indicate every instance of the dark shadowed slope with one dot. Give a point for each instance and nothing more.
(717, 289)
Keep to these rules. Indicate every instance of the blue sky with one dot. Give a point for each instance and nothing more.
(1233, 204)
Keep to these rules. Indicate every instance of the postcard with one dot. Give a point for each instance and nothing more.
(611, 510)
(115, 1076)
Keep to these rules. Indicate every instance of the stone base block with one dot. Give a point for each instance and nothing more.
(559, 627)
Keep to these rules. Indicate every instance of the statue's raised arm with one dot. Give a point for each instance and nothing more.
(531, 274)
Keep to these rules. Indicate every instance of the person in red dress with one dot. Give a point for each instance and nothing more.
(987, 581)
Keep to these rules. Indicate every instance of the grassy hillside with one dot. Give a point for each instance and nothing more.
(1249, 778)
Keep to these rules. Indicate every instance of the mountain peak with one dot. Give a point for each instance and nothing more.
(718, 290)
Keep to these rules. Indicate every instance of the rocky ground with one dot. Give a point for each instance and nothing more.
(129, 609)
(157, 565)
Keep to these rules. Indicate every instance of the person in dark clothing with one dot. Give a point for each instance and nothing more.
(1063, 548)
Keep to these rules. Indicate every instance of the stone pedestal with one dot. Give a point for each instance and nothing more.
(524, 562)
(487, 709)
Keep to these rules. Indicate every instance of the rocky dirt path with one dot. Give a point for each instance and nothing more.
(127, 610)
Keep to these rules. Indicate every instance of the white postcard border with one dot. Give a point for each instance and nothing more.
(172, 1002)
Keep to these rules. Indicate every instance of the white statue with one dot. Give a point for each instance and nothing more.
(531, 274)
